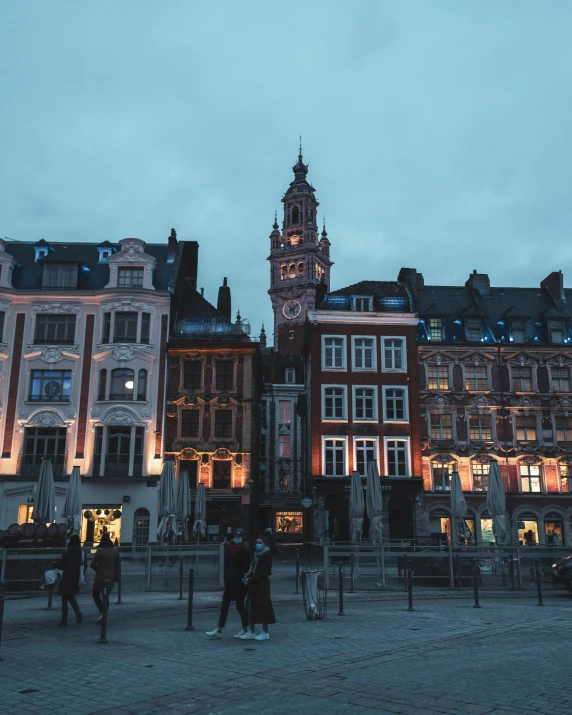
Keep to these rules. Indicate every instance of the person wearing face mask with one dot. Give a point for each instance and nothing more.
(258, 601)
(236, 565)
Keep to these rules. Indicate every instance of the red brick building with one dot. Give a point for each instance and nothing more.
(362, 382)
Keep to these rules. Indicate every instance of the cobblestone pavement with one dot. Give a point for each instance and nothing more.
(508, 658)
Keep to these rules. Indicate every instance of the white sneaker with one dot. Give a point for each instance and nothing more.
(248, 636)
(264, 636)
(239, 634)
(214, 634)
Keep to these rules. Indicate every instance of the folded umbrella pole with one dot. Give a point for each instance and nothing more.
(166, 502)
(73, 504)
(496, 503)
(45, 502)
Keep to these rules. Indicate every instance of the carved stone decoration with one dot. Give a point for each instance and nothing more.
(95, 412)
(120, 416)
(188, 453)
(191, 399)
(70, 413)
(122, 352)
(57, 307)
(51, 353)
(481, 401)
(438, 400)
(46, 418)
(223, 399)
(222, 453)
(482, 459)
(530, 460)
(210, 447)
(443, 458)
(525, 401)
(23, 412)
(146, 412)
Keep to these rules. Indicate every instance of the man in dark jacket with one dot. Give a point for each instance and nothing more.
(236, 565)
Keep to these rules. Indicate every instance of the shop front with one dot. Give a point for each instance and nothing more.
(100, 519)
(553, 529)
(224, 515)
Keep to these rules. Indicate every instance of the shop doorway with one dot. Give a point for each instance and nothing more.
(141, 522)
(99, 520)
(400, 511)
(337, 517)
(553, 530)
(527, 529)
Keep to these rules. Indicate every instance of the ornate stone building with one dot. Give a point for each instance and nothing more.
(83, 333)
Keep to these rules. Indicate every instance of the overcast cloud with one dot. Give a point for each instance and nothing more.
(438, 133)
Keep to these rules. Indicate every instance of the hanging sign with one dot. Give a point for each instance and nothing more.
(306, 502)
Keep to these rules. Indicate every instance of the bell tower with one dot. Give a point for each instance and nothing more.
(299, 262)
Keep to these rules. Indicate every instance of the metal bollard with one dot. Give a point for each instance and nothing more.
(119, 601)
(181, 597)
(2, 599)
(405, 571)
(297, 571)
(352, 574)
(458, 569)
(190, 626)
(539, 585)
(410, 589)
(476, 583)
(511, 571)
(341, 590)
(103, 635)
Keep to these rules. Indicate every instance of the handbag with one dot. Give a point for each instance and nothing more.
(52, 576)
(82, 566)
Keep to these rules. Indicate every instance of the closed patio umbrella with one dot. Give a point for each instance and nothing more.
(45, 502)
(183, 505)
(166, 501)
(200, 525)
(458, 509)
(496, 503)
(374, 503)
(72, 504)
(356, 507)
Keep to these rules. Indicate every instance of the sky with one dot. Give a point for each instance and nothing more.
(437, 132)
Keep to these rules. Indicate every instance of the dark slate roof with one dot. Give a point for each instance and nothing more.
(93, 276)
(389, 297)
(197, 319)
(275, 364)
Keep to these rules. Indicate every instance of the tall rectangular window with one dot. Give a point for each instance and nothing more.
(106, 328)
(222, 473)
(363, 304)
(130, 278)
(394, 354)
(521, 379)
(397, 462)
(145, 328)
(442, 426)
(223, 423)
(2, 320)
(335, 457)
(481, 477)
(560, 377)
(395, 404)
(224, 374)
(518, 331)
(565, 471)
(290, 376)
(525, 428)
(138, 451)
(190, 420)
(55, 330)
(473, 330)
(334, 403)
(44, 443)
(118, 451)
(476, 377)
(365, 403)
(125, 327)
(556, 331)
(284, 410)
(564, 429)
(530, 478)
(436, 328)
(192, 375)
(442, 472)
(334, 353)
(284, 445)
(366, 451)
(61, 276)
(363, 353)
(50, 386)
(438, 377)
(480, 427)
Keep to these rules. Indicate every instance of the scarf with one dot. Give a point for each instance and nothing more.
(257, 555)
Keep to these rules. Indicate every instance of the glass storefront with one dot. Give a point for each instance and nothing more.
(25, 513)
(527, 530)
(98, 520)
(440, 526)
(553, 530)
(487, 536)
(289, 522)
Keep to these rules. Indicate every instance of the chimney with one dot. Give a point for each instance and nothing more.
(413, 280)
(554, 284)
(479, 282)
(263, 337)
(172, 248)
(202, 292)
(224, 303)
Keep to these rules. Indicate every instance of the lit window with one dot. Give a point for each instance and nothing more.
(565, 471)
(521, 379)
(564, 429)
(438, 377)
(290, 376)
(300, 269)
(365, 403)
(284, 408)
(335, 457)
(364, 354)
(442, 472)
(283, 273)
(481, 476)
(530, 478)
(334, 403)
(289, 522)
(518, 331)
(284, 445)
(480, 427)
(363, 304)
(476, 377)
(292, 271)
(395, 404)
(560, 379)
(473, 330)
(397, 462)
(394, 354)
(436, 328)
(130, 278)
(334, 353)
(525, 429)
(442, 426)
(366, 451)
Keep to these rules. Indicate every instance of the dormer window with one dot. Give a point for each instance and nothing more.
(556, 331)
(130, 278)
(473, 330)
(41, 252)
(104, 254)
(290, 375)
(518, 331)
(60, 275)
(363, 304)
(436, 328)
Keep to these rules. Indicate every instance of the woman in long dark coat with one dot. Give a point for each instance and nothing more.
(258, 601)
(105, 563)
(71, 563)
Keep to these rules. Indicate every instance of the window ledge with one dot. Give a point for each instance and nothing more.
(479, 392)
(395, 422)
(47, 402)
(373, 420)
(331, 420)
(334, 369)
(525, 392)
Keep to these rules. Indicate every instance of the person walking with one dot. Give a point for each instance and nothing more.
(71, 563)
(271, 542)
(236, 565)
(105, 563)
(258, 602)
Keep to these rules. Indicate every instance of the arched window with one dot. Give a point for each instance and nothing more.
(442, 468)
(122, 384)
(300, 269)
(102, 384)
(283, 273)
(295, 215)
(142, 386)
(292, 271)
(141, 520)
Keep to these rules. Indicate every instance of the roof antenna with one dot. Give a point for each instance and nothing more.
(300, 151)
